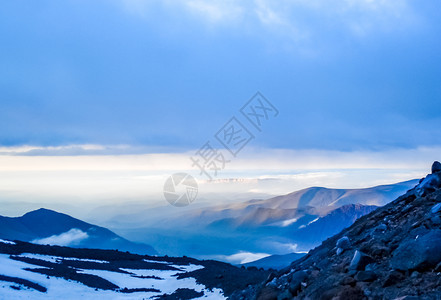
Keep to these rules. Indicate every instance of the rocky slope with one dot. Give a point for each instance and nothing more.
(392, 253)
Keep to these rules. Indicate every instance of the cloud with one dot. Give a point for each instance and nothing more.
(52, 150)
(242, 257)
(71, 238)
(113, 158)
(298, 18)
(215, 11)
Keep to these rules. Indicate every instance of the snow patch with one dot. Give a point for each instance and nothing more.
(289, 222)
(303, 226)
(7, 242)
(57, 259)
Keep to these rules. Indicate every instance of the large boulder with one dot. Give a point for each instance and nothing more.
(421, 253)
(296, 281)
(343, 244)
(429, 184)
(436, 167)
(360, 260)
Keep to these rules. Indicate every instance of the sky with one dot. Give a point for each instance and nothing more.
(117, 82)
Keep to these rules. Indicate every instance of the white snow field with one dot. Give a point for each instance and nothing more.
(59, 288)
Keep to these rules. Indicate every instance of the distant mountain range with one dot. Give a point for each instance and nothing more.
(45, 226)
(326, 197)
(280, 225)
(286, 224)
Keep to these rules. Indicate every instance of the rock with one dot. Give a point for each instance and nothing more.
(368, 276)
(436, 208)
(436, 167)
(436, 220)
(268, 293)
(418, 232)
(429, 184)
(348, 281)
(349, 292)
(344, 243)
(339, 251)
(270, 277)
(360, 261)
(393, 278)
(371, 267)
(438, 267)
(379, 251)
(272, 283)
(381, 228)
(296, 281)
(323, 263)
(286, 295)
(421, 253)
(414, 274)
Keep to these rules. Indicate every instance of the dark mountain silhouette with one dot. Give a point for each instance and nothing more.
(275, 261)
(50, 227)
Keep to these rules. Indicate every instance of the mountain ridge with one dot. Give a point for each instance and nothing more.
(47, 225)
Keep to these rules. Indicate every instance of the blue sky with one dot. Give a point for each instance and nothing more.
(102, 100)
(345, 75)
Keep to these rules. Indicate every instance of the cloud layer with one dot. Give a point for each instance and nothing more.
(71, 238)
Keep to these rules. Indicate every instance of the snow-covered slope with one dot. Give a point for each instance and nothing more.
(29, 271)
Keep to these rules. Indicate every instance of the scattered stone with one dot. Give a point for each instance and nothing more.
(296, 281)
(436, 220)
(343, 244)
(438, 267)
(393, 278)
(421, 253)
(436, 167)
(379, 251)
(323, 263)
(349, 292)
(368, 276)
(415, 274)
(419, 231)
(268, 293)
(349, 281)
(436, 208)
(286, 295)
(360, 261)
(371, 267)
(381, 228)
(270, 277)
(272, 283)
